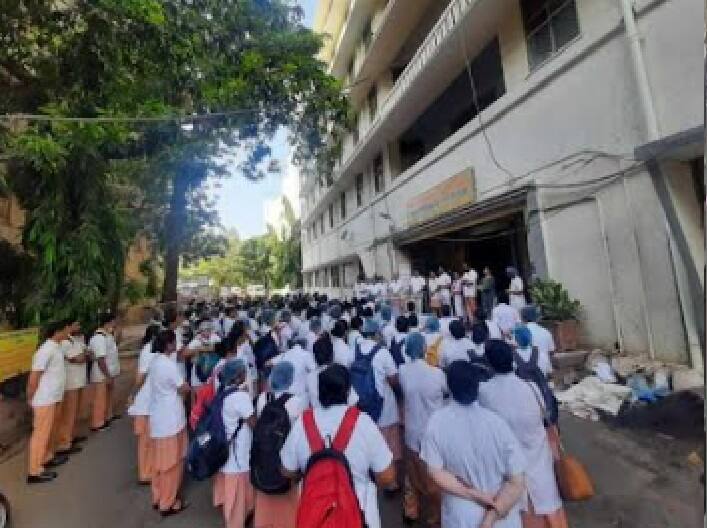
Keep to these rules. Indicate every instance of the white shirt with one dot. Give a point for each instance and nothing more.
(167, 415)
(518, 403)
(311, 339)
(517, 300)
(416, 284)
(343, 355)
(112, 357)
(99, 346)
(49, 360)
(354, 338)
(238, 407)
(542, 338)
(285, 334)
(380, 289)
(367, 451)
(313, 389)
(76, 375)
(423, 388)
(303, 363)
(383, 367)
(452, 350)
(444, 281)
(478, 447)
(470, 278)
(506, 317)
(141, 404)
(388, 332)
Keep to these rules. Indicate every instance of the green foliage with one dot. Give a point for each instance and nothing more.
(89, 188)
(15, 286)
(273, 259)
(554, 300)
(134, 291)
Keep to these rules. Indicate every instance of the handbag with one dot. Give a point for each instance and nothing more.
(573, 480)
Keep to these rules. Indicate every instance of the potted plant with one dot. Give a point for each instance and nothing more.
(560, 313)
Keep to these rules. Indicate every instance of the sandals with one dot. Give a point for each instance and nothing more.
(175, 511)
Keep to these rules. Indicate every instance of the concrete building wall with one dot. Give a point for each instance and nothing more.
(573, 120)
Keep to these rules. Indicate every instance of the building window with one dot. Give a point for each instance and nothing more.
(335, 283)
(331, 215)
(313, 230)
(378, 174)
(343, 205)
(372, 102)
(549, 26)
(321, 223)
(359, 190)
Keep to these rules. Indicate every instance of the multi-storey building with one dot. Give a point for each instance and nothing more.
(564, 137)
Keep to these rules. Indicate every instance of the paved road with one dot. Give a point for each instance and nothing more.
(97, 489)
(641, 483)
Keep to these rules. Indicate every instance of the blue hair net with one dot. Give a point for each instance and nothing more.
(231, 371)
(370, 326)
(282, 376)
(432, 324)
(415, 345)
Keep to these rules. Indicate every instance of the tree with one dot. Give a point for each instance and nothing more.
(88, 187)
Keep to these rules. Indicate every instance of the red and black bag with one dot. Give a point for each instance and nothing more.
(328, 495)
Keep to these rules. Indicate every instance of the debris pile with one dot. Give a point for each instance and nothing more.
(630, 389)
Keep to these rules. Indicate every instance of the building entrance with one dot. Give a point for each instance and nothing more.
(497, 244)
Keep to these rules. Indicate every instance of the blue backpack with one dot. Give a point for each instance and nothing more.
(363, 380)
(209, 449)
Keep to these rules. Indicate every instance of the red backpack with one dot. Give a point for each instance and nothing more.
(328, 495)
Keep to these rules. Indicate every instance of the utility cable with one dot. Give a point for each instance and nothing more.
(126, 119)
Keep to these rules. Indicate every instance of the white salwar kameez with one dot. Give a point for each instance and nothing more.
(516, 402)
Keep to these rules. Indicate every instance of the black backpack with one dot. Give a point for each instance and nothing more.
(209, 449)
(396, 350)
(269, 436)
(264, 350)
(530, 371)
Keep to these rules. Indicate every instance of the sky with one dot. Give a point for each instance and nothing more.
(246, 206)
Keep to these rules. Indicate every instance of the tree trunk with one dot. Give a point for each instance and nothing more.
(174, 234)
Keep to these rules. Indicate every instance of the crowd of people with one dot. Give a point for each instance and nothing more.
(450, 408)
(463, 291)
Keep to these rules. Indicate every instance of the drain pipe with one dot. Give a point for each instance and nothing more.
(639, 67)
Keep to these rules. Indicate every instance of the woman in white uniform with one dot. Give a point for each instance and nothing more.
(519, 403)
(516, 290)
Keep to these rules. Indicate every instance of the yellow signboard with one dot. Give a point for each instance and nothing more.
(16, 350)
(453, 193)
